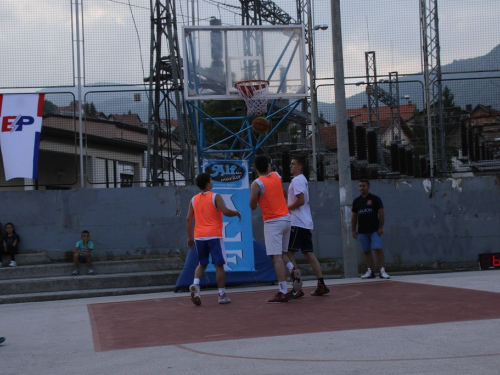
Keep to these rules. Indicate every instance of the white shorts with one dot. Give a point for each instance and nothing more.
(277, 236)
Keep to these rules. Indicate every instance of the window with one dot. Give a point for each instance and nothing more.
(126, 180)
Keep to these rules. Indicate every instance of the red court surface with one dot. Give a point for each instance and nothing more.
(176, 321)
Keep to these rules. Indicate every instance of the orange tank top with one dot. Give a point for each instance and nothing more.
(272, 202)
(208, 219)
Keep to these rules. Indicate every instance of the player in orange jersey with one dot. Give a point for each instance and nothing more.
(267, 191)
(206, 208)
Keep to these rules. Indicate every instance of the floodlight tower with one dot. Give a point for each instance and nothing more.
(395, 108)
(371, 81)
(165, 84)
(429, 25)
(391, 99)
(254, 12)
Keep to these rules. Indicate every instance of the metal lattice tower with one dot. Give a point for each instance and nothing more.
(371, 82)
(373, 110)
(254, 12)
(168, 154)
(395, 107)
(390, 99)
(429, 24)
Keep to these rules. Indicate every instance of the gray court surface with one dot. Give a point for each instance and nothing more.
(55, 338)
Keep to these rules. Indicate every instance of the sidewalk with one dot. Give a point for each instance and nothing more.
(64, 337)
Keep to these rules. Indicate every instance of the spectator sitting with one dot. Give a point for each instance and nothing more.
(10, 241)
(82, 253)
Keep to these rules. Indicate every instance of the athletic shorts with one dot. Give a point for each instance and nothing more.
(276, 236)
(300, 240)
(370, 241)
(214, 247)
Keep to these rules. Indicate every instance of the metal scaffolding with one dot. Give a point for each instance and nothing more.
(169, 147)
(429, 24)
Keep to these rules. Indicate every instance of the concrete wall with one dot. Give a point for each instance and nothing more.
(449, 221)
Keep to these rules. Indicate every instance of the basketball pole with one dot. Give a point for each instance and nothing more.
(348, 243)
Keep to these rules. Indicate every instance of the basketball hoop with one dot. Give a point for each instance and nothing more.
(255, 93)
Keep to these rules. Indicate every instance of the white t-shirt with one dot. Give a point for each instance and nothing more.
(301, 217)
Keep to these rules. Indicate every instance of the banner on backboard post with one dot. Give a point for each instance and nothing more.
(20, 130)
(230, 180)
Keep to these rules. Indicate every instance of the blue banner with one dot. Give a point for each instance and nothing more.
(231, 181)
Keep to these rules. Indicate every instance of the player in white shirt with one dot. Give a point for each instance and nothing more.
(302, 223)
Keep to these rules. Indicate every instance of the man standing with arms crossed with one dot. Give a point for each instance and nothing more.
(302, 223)
(267, 191)
(368, 213)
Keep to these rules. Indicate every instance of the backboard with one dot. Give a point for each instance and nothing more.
(215, 57)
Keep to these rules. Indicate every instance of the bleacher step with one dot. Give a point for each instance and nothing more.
(74, 294)
(85, 282)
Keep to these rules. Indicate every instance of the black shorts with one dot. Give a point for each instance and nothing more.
(300, 240)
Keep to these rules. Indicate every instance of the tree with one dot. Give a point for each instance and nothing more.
(48, 107)
(89, 109)
(451, 112)
(222, 108)
(451, 123)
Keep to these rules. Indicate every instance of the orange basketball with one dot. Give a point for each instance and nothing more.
(260, 125)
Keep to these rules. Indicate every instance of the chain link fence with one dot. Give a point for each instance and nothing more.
(38, 41)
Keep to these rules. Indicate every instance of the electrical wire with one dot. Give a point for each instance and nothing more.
(140, 46)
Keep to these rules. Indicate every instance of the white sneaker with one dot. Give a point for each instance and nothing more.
(368, 275)
(383, 274)
(195, 294)
(13, 264)
(224, 299)
(296, 277)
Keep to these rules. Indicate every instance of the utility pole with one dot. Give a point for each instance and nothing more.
(345, 191)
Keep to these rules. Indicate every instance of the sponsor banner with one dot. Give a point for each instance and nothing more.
(20, 130)
(231, 181)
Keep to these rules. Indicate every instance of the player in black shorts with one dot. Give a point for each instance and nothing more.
(300, 235)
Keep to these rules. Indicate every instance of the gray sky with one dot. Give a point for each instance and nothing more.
(36, 34)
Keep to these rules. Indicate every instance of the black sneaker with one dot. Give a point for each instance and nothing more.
(295, 295)
(320, 290)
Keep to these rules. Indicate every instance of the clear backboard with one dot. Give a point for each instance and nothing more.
(216, 57)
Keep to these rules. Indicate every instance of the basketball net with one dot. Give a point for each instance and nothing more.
(255, 93)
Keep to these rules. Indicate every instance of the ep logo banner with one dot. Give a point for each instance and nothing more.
(20, 130)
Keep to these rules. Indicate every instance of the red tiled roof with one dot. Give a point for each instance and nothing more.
(129, 119)
(361, 114)
(329, 133)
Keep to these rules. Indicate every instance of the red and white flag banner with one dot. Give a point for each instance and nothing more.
(20, 130)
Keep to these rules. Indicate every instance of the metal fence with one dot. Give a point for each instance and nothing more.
(101, 52)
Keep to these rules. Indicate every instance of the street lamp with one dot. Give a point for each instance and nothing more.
(322, 27)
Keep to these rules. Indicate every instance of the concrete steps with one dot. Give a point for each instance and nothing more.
(53, 281)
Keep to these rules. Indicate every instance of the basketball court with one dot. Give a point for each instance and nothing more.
(420, 324)
(347, 307)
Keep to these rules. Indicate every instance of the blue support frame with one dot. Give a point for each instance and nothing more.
(244, 138)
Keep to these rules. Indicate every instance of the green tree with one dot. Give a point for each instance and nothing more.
(89, 109)
(451, 112)
(48, 107)
(451, 123)
(222, 108)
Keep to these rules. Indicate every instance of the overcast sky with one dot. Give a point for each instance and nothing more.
(36, 36)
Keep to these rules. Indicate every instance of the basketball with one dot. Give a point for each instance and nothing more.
(260, 125)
